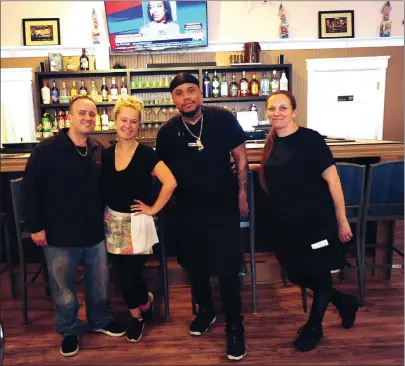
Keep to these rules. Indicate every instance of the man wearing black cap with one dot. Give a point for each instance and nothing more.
(196, 145)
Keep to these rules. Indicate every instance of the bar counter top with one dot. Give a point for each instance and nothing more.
(385, 150)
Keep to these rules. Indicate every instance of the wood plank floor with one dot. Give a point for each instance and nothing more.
(376, 339)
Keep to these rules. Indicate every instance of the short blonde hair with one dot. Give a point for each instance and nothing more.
(129, 101)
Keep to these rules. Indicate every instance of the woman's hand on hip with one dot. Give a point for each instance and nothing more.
(140, 208)
(345, 232)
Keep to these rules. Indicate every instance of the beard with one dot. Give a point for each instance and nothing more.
(191, 114)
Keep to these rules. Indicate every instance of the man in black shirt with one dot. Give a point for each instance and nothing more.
(63, 210)
(196, 146)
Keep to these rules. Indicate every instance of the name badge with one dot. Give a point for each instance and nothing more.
(320, 244)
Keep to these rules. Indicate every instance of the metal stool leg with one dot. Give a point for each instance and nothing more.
(23, 266)
(359, 263)
(10, 263)
(253, 271)
(163, 265)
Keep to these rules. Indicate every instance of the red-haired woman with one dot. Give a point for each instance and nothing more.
(307, 213)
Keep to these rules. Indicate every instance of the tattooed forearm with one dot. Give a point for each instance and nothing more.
(243, 170)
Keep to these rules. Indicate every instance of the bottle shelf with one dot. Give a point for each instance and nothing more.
(66, 105)
(260, 98)
(150, 90)
(158, 105)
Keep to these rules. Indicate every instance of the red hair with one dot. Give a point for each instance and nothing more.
(268, 146)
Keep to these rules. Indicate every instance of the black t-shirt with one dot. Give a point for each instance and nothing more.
(121, 188)
(299, 196)
(206, 173)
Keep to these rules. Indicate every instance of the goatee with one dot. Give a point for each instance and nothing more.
(191, 114)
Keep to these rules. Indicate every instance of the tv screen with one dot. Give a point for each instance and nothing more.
(155, 25)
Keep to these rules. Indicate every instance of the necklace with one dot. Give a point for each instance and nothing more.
(80, 152)
(198, 144)
(120, 155)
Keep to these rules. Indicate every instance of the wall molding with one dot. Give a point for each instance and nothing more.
(215, 46)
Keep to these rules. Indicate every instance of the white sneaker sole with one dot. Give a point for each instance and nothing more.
(199, 333)
(106, 332)
(70, 354)
(236, 358)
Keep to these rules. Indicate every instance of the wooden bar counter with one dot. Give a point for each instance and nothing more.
(385, 150)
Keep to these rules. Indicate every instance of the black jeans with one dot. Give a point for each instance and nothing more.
(128, 268)
(322, 286)
(230, 295)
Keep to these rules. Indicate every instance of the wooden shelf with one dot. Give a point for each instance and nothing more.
(111, 132)
(260, 98)
(158, 105)
(66, 105)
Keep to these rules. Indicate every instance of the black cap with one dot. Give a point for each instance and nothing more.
(183, 78)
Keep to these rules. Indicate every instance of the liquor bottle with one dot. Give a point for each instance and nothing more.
(54, 93)
(97, 126)
(104, 120)
(104, 91)
(275, 82)
(46, 94)
(265, 85)
(244, 85)
(69, 65)
(61, 120)
(67, 119)
(114, 90)
(206, 85)
(124, 89)
(73, 91)
(83, 90)
(93, 91)
(283, 82)
(233, 87)
(254, 86)
(84, 60)
(215, 85)
(253, 108)
(55, 121)
(224, 86)
(46, 123)
(64, 94)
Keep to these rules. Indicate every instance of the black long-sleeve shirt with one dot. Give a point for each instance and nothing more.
(61, 192)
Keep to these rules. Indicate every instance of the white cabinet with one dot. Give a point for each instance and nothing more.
(346, 96)
(17, 106)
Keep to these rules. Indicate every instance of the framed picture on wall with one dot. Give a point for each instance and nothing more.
(41, 31)
(336, 24)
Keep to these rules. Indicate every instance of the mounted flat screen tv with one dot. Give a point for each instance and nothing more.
(156, 25)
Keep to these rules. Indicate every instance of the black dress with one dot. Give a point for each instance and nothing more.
(206, 198)
(302, 211)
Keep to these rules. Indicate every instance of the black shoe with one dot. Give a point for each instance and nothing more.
(235, 341)
(134, 332)
(202, 322)
(148, 314)
(111, 329)
(347, 311)
(308, 337)
(69, 346)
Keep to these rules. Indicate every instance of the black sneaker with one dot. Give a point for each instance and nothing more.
(134, 332)
(148, 314)
(308, 337)
(235, 341)
(347, 311)
(69, 346)
(111, 329)
(202, 322)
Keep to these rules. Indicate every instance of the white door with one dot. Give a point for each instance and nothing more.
(344, 104)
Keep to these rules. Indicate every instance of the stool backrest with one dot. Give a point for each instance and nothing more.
(15, 186)
(385, 191)
(352, 178)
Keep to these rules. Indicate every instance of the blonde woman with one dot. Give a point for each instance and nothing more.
(130, 207)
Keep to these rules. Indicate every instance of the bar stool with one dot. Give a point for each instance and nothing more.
(22, 234)
(5, 238)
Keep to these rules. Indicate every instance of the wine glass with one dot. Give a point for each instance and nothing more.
(148, 111)
(164, 112)
(156, 110)
(171, 112)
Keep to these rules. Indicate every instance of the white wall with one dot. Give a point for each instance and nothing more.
(238, 21)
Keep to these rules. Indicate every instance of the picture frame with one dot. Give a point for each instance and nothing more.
(55, 61)
(41, 31)
(336, 24)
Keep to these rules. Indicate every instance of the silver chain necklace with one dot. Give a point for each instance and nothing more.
(80, 152)
(198, 144)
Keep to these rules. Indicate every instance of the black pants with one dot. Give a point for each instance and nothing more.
(322, 286)
(128, 269)
(230, 295)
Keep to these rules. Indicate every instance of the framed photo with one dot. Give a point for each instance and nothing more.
(41, 31)
(336, 24)
(55, 61)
